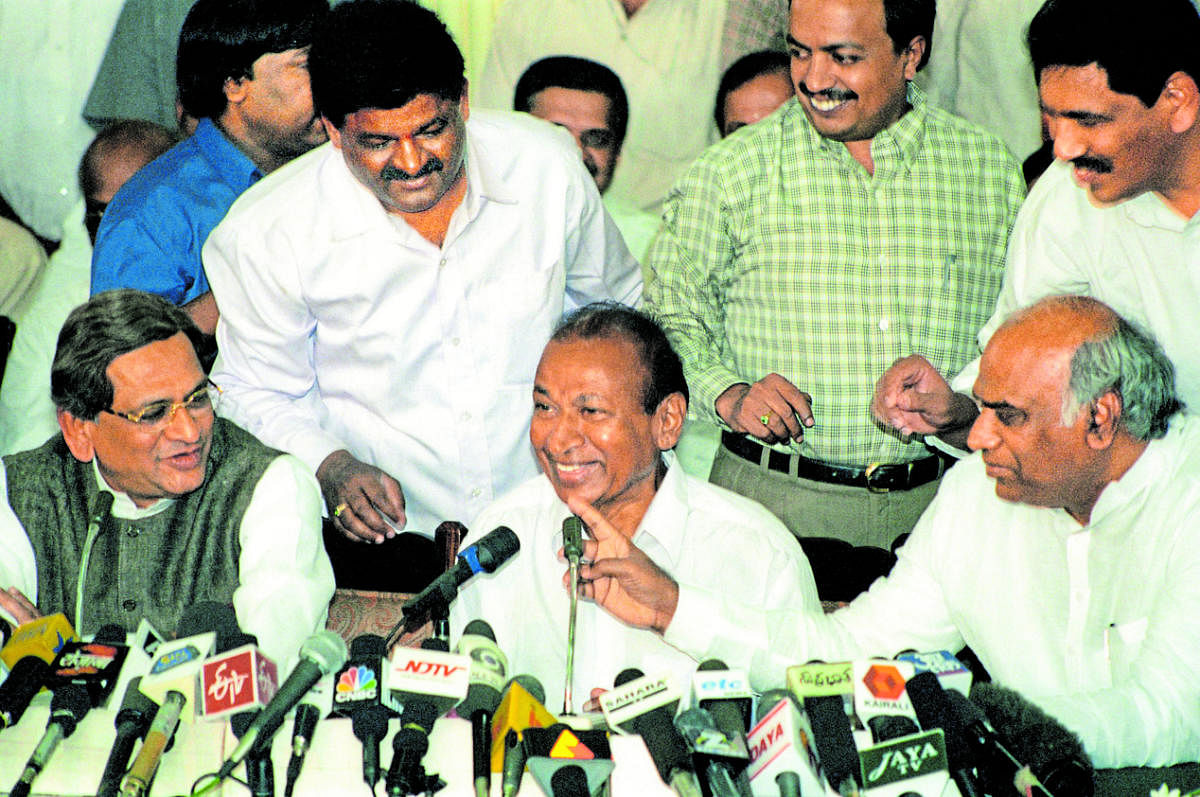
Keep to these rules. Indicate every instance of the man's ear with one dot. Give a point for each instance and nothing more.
(334, 134)
(667, 424)
(1181, 95)
(1105, 417)
(912, 56)
(78, 435)
(235, 89)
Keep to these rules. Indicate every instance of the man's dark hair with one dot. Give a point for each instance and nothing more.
(907, 19)
(381, 54)
(1139, 45)
(221, 40)
(99, 331)
(135, 136)
(742, 71)
(580, 74)
(663, 368)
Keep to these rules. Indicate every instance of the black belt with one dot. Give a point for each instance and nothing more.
(877, 477)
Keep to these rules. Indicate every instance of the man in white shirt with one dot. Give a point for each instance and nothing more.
(200, 510)
(1120, 91)
(609, 399)
(384, 298)
(1063, 553)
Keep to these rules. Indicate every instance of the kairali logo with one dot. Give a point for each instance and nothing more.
(356, 683)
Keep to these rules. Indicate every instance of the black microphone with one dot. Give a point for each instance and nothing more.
(997, 764)
(68, 706)
(834, 742)
(358, 692)
(492, 550)
(132, 721)
(321, 654)
(488, 668)
(933, 711)
(260, 770)
(726, 695)
(304, 725)
(667, 748)
(95, 665)
(409, 745)
(569, 781)
(720, 757)
(26, 679)
(1054, 754)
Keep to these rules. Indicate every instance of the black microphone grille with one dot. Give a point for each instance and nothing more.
(497, 547)
(713, 664)
(368, 645)
(625, 676)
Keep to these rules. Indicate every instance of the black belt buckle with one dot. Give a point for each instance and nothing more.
(878, 469)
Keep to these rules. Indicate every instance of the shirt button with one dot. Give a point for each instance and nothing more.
(884, 325)
(455, 341)
(131, 532)
(442, 262)
(476, 493)
(129, 605)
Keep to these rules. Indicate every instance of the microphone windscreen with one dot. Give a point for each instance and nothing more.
(1035, 738)
(530, 684)
(205, 616)
(480, 628)
(569, 781)
(368, 645)
(110, 633)
(833, 739)
(325, 649)
(496, 547)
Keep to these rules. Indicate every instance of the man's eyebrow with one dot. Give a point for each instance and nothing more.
(541, 390)
(829, 48)
(998, 405)
(152, 402)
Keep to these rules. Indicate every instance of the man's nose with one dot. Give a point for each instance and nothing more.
(1069, 143)
(406, 157)
(182, 426)
(818, 73)
(982, 435)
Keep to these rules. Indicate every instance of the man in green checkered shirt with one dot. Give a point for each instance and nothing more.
(802, 255)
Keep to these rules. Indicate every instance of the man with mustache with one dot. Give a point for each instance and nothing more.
(384, 298)
(1063, 552)
(200, 510)
(799, 255)
(1118, 216)
(243, 72)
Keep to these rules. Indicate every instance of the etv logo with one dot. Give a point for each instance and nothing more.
(356, 683)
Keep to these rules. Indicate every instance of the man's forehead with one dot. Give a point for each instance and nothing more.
(156, 365)
(853, 19)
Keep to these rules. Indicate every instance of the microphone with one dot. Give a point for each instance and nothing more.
(929, 702)
(409, 745)
(223, 680)
(95, 665)
(999, 767)
(522, 707)
(28, 654)
(357, 695)
(493, 549)
(1054, 754)
(447, 539)
(487, 671)
(716, 753)
(779, 744)
(321, 654)
(132, 722)
(646, 706)
(726, 695)
(173, 682)
(68, 706)
(834, 742)
(548, 750)
(315, 704)
(569, 781)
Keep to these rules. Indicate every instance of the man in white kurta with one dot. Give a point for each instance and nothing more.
(360, 315)
(601, 446)
(1063, 553)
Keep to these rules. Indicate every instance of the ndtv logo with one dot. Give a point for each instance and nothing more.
(430, 668)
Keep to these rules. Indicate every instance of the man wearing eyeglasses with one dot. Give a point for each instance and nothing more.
(201, 511)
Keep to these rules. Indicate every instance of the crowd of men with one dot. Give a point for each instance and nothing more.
(720, 279)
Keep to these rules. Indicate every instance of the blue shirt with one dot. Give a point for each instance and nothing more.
(156, 225)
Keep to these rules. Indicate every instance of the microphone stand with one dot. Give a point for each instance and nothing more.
(572, 530)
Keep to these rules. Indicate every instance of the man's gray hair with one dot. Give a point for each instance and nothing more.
(1129, 362)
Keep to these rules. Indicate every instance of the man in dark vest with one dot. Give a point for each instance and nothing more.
(200, 510)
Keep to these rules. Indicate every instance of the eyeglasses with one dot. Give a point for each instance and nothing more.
(160, 414)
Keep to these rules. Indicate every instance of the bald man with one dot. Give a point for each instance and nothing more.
(1063, 552)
